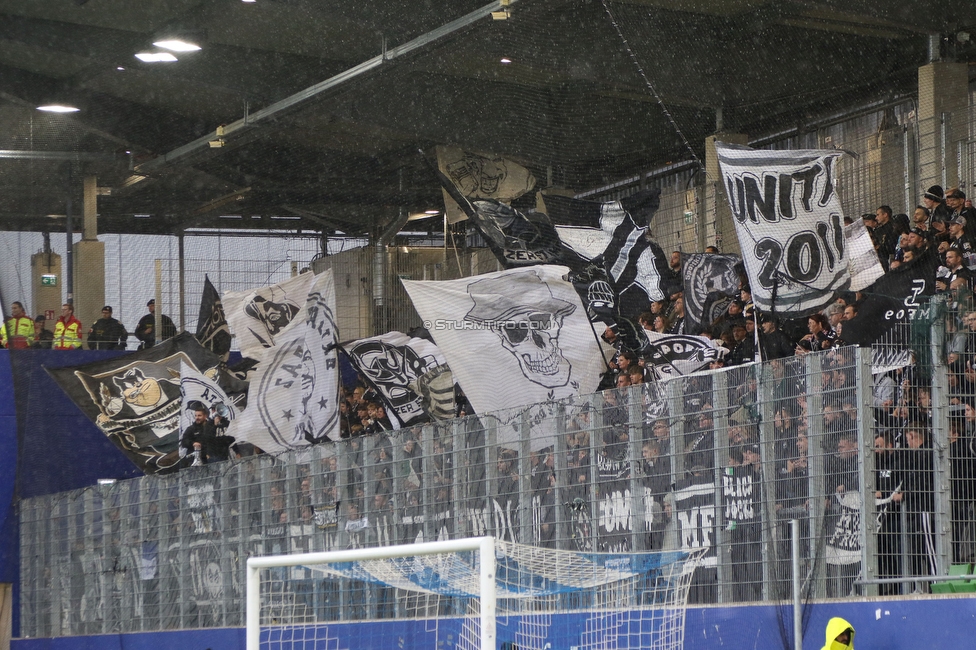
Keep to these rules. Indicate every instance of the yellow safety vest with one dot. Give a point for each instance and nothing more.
(67, 336)
(20, 332)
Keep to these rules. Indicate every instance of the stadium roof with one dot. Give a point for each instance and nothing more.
(323, 105)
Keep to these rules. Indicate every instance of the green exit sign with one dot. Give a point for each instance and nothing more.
(49, 280)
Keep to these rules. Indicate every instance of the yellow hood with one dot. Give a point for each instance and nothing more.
(835, 626)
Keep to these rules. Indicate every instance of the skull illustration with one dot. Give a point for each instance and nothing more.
(522, 311)
(478, 176)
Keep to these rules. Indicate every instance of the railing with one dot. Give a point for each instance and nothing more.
(721, 460)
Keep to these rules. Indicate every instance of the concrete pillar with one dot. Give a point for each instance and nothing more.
(89, 269)
(943, 110)
(89, 261)
(716, 218)
(46, 285)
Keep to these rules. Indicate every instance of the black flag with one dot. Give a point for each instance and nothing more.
(898, 296)
(212, 330)
(135, 399)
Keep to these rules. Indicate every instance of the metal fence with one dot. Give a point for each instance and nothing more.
(872, 456)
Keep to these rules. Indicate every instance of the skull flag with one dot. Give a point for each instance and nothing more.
(790, 226)
(481, 176)
(512, 338)
(259, 317)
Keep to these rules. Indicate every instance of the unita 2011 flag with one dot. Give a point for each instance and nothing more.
(790, 225)
(513, 337)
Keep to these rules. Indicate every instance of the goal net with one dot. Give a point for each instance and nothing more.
(469, 594)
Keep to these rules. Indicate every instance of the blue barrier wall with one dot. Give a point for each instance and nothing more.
(880, 624)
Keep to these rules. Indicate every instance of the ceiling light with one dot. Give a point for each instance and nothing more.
(249, 1)
(119, 68)
(176, 45)
(58, 108)
(432, 211)
(155, 57)
(505, 60)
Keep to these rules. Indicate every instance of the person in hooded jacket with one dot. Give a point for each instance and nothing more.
(840, 635)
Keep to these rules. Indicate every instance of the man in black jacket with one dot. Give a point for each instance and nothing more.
(773, 342)
(107, 333)
(201, 441)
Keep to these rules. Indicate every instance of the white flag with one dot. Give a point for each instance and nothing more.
(260, 317)
(790, 225)
(293, 394)
(865, 265)
(320, 389)
(196, 386)
(512, 338)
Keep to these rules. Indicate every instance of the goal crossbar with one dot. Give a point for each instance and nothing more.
(484, 545)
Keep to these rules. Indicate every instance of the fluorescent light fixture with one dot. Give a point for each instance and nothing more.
(176, 45)
(155, 57)
(58, 108)
(106, 481)
(120, 68)
(505, 60)
(432, 211)
(249, 1)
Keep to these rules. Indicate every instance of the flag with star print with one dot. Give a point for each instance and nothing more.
(293, 395)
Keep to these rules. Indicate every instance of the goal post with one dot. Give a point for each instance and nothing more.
(484, 545)
(468, 594)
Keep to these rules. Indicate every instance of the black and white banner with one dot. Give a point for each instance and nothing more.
(135, 399)
(481, 176)
(260, 317)
(710, 284)
(790, 226)
(900, 295)
(673, 355)
(390, 364)
(616, 232)
(844, 543)
(293, 396)
(513, 337)
(213, 331)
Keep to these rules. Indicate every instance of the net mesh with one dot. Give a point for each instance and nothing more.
(544, 598)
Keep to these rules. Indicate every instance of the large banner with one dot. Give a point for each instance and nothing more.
(293, 396)
(480, 176)
(790, 226)
(135, 399)
(513, 337)
(393, 364)
(259, 317)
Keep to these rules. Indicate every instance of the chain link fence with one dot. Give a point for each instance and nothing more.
(849, 441)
